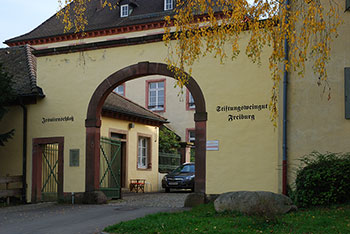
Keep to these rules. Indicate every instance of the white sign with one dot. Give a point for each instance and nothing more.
(212, 145)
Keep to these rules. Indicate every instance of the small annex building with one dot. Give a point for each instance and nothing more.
(128, 145)
(237, 146)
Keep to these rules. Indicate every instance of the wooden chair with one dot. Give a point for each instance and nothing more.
(137, 185)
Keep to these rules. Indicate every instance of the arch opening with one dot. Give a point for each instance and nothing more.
(93, 120)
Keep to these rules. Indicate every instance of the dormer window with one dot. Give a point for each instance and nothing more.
(168, 5)
(124, 10)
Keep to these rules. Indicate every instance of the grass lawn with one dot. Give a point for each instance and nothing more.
(204, 219)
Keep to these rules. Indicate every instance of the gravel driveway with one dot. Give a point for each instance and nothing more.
(52, 218)
(169, 200)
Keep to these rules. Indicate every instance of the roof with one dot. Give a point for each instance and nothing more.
(119, 104)
(19, 62)
(145, 11)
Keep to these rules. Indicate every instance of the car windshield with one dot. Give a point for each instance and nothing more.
(185, 168)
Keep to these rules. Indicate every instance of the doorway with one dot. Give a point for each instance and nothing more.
(110, 167)
(47, 175)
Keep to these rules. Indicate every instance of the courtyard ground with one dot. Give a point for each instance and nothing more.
(52, 218)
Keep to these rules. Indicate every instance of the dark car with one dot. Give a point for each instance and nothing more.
(180, 178)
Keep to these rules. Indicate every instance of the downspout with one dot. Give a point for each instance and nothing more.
(24, 157)
(285, 103)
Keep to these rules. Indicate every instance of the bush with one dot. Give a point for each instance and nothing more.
(323, 180)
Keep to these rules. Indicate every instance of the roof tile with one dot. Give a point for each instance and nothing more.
(19, 62)
(120, 104)
(146, 11)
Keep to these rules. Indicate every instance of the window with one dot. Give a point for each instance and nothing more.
(156, 98)
(120, 90)
(168, 5)
(347, 5)
(189, 101)
(124, 10)
(191, 135)
(143, 157)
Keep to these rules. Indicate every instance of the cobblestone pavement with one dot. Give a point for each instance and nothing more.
(52, 218)
(170, 200)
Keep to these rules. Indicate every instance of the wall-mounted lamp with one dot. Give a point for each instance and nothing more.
(131, 125)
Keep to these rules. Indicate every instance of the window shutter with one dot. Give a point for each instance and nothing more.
(347, 6)
(347, 92)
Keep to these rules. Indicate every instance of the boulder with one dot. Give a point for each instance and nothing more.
(94, 197)
(254, 203)
(210, 198)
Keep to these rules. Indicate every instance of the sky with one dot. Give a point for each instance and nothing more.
(18, 17)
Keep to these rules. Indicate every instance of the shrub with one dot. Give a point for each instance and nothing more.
(323, 180)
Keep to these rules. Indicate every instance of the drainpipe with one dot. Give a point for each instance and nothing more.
(24, 157)
(285, 99)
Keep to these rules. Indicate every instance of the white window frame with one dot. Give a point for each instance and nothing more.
(157, 89)
(191, 139)
(168, 5)
(118, 91)
(124, 10)
(143, 143)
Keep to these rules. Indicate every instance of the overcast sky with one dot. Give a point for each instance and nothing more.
(18, 17)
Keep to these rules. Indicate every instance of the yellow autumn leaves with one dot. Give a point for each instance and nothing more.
(201, 27)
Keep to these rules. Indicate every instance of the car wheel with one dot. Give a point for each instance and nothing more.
(167, 190)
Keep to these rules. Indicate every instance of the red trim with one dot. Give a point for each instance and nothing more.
(188, 101)
(103, 32)
(201, 139)
(37, 165)
(149, 151)
(91, 34)
(188, 133)
(147, 92)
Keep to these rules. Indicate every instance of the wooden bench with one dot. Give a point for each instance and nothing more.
(7, 193)
(137, 185)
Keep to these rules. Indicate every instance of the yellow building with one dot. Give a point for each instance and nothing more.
(237, 147)
(160, 94)
(128, 144)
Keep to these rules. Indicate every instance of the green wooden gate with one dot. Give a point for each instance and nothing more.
(49, 177)
(110, 167)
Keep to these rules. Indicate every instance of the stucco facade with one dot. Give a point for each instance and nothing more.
(110, 125)
(176, 109)
(240, 141)
(248, 148)
(317, 121)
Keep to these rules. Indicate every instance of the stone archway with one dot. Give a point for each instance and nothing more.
(93, 121)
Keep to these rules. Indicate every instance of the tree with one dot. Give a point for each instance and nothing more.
(168, 141)
(203, 27)
(6, 96)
